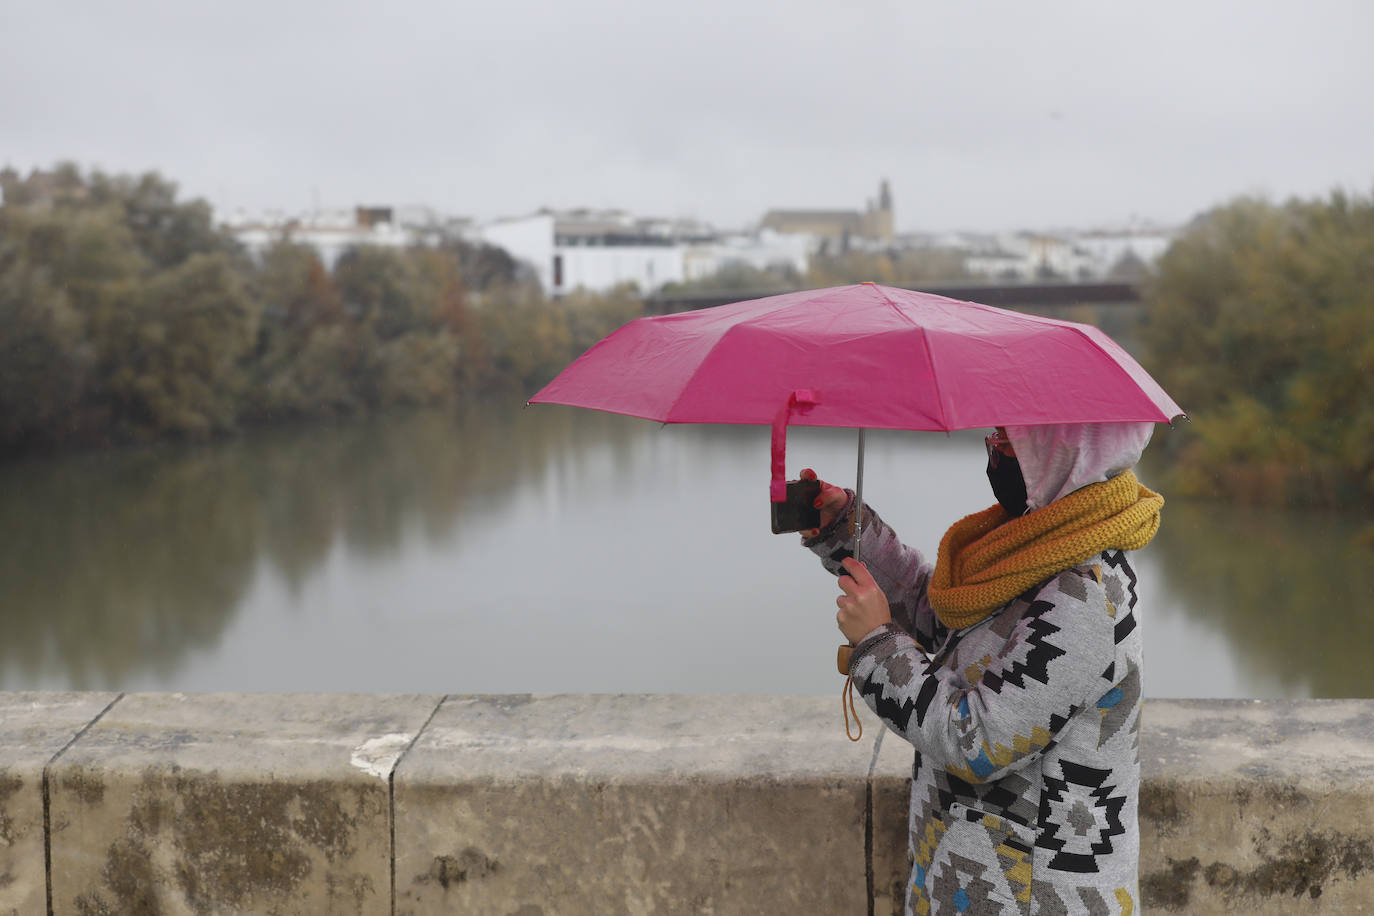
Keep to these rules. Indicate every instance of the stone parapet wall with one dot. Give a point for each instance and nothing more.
(530, 805)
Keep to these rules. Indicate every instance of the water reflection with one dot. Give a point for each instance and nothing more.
(1290, 593)
(121, 563)
(504, 550)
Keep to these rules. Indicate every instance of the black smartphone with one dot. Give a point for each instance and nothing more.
(799, 511)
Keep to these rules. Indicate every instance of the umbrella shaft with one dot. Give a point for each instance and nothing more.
(859, 500)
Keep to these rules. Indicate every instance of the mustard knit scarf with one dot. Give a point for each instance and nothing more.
(985, 560)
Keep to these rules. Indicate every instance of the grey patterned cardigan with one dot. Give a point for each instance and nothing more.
(1026, 727)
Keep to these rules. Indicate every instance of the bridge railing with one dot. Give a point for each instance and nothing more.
(418, 804)
(1003, 295)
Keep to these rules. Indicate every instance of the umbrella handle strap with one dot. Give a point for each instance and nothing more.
(801, 400)
(848, 695)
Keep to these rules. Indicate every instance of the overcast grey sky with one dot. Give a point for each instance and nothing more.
(984, 115)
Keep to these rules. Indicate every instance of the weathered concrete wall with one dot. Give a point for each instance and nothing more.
(176, 803)
(34, 729)
(1258, 806)
(622, 805)
(263, 803)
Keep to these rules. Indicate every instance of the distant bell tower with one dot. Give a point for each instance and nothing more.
(879, 221)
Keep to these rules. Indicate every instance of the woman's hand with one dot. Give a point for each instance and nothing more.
(863, 606)
(830, 502)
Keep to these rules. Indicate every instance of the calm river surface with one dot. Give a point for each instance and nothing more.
(502, 549)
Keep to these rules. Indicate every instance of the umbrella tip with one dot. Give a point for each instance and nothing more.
(868, 283)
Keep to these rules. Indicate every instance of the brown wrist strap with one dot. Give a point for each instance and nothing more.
(848, 694)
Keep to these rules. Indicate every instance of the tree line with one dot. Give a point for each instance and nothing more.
(126, 315)
(889, 267)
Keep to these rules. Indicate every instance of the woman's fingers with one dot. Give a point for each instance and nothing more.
(862, 606)
(858, 572)
(831, 501)
(832, 497)
(830, 494)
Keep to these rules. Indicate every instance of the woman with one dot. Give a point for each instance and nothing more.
(1013, 667)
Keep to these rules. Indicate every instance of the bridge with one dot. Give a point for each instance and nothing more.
(1003, 295)
(432, 804)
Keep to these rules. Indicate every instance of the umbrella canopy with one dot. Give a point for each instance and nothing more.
(863, 356)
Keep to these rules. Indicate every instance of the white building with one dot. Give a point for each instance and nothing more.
(761, 250)
(598, 250)
(1070, 255)
(569, 253)
(525, 238)
(1021, 256)
(332, 232)
(602, 267)
(1108, 248)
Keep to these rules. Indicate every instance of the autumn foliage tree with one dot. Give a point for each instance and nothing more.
(1260, 322)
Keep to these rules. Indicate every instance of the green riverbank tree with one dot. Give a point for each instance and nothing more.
(1259, 320)
(127, 316)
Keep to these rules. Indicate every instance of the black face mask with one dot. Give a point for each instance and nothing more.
(1004, 473)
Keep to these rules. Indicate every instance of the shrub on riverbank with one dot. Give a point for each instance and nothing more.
(1260, 321)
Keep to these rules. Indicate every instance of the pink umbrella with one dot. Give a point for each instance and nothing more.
(863, 356)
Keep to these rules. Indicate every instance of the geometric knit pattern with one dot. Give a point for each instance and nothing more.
(1025, 726)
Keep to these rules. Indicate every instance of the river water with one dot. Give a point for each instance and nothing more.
(494, 548)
